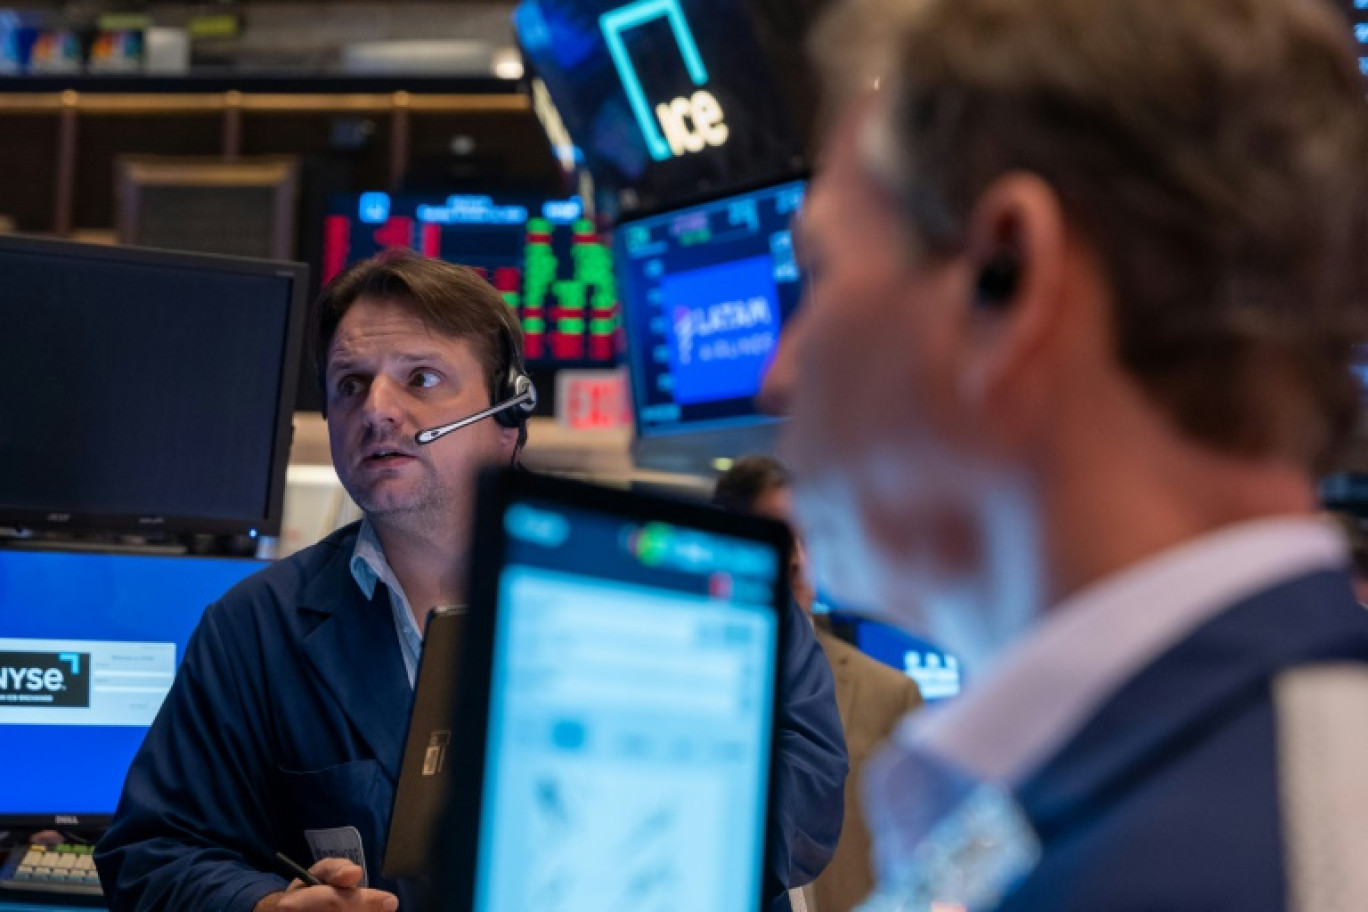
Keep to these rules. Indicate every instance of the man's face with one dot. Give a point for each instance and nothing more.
(388, 377)
(891, 469)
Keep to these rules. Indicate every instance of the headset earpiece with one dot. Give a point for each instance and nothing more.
(513, 396)
(513, 382)
(997, 283)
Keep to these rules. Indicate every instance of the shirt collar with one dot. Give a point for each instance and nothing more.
(1046, 687)
(368, 564)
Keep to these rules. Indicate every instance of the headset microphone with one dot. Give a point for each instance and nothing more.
(523, 401)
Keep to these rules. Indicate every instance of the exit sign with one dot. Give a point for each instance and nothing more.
(593, 400)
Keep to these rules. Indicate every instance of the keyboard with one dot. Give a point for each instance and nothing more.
(59, 872)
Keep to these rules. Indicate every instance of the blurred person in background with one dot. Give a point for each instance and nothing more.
(871, 696)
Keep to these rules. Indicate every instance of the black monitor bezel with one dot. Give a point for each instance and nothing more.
(56, 821)
(158, 525)
(455, 866)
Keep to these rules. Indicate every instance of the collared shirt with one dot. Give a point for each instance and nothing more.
(369, 567)
(1043, 691)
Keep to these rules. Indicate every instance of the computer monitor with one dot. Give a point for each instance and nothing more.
(89, 644)
(706, 290)
(668, 99)
(616, 703)
(154, 390)
(543, 255)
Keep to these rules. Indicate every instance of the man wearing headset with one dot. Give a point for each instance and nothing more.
(284, 729)
(1085, 279)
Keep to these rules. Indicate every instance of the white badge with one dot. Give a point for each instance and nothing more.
(338, 842)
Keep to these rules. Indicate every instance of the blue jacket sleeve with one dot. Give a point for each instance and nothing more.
(809, 790)
(192, 831)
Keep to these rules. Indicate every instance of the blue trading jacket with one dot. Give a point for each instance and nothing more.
(289, 713)
(1168, 798)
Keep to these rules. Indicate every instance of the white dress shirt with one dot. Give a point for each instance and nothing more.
(369, 567)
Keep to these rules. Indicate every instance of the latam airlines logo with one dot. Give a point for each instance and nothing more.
(728, 317)
(678, 126)
(45, 678)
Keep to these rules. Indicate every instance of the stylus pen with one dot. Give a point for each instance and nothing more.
(299, 870)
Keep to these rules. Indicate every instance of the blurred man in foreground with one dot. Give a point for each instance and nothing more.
(1084, 276)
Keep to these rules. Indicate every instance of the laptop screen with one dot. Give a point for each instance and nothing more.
(630, 715)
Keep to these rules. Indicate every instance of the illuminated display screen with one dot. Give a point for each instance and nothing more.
(670, 99)
(544, 256)
(115, 626)
(706, 291)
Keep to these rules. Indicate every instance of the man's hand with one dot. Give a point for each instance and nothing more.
(340, 893)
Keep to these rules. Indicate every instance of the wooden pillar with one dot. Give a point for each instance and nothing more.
(232, 125)
(399, 138)
(64, 194)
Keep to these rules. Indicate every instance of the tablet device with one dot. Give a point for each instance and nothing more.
(618, 692)
(425, 770)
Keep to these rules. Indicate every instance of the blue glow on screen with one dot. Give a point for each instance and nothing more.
(630, 716)
(723, 328)
(133, 615)
(938, 673)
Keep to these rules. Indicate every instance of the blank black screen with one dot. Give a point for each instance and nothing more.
(139, 389)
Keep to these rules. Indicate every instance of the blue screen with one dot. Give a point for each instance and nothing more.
(937, 672)
(630, 719)
(89, 644)
(705, 294)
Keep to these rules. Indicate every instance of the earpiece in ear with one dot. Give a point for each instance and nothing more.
(997, 283)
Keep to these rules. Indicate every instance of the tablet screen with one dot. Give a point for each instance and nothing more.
(630, 716)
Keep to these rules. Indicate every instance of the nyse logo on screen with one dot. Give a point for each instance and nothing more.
(44, 679)
(677, 126)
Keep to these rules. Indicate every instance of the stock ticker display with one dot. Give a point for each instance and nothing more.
(706, 291)
(544, 256)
